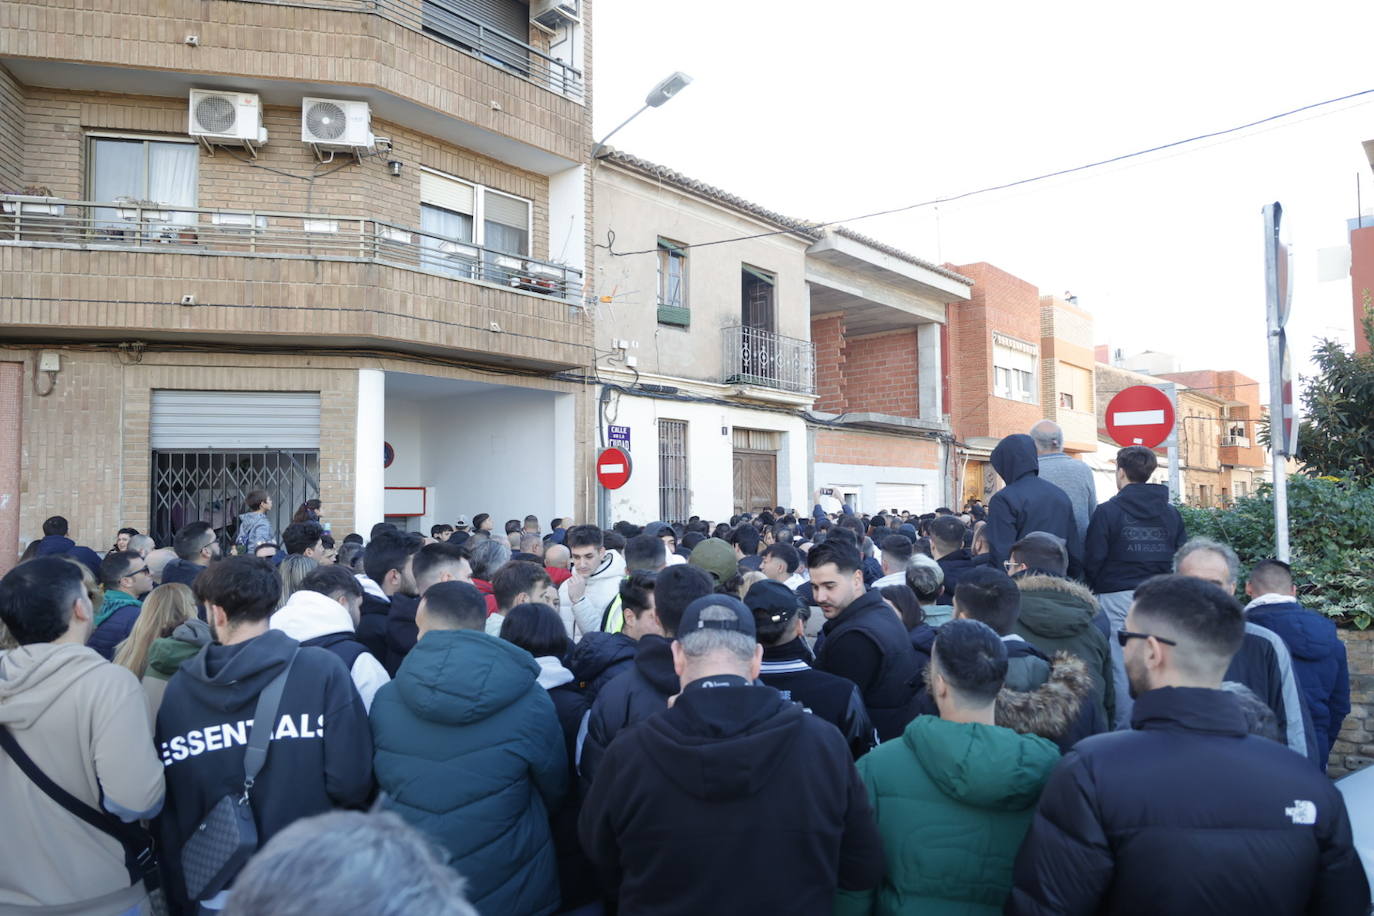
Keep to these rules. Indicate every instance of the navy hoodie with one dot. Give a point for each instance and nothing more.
(1028, 504)
(1319, 664)
(320, 756)
(1131, 537)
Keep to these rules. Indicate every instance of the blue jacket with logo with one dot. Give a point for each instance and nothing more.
(1131, 537)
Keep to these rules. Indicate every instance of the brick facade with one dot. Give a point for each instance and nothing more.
(879, 374)
(11, 133)
(874, 449)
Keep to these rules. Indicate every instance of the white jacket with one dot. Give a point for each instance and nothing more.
(309, 615)
(584, 616)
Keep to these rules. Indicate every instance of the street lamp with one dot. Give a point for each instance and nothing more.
(661, 93)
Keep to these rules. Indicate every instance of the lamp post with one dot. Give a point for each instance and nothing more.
(661, 93)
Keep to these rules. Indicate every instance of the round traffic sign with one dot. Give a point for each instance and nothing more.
(1140, 415)
(613, 468)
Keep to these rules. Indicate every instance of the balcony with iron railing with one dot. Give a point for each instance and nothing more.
(442, 23)
(753, 356)
(418, 290)
(151, 227)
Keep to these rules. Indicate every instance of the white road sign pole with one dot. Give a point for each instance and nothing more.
(1278, 280)
(1172, 442)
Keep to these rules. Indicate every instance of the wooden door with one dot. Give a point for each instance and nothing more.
(756, 481)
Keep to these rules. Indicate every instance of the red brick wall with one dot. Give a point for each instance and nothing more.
(827, 333)
(880, 374)
(11, 421)
(1361, 280)
(875, 450)
(1000, 302)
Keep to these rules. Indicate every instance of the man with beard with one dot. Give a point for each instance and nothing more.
(320, 755)
(1187, 812)
(862, 639)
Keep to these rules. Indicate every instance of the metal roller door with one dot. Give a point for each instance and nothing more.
(235, 419)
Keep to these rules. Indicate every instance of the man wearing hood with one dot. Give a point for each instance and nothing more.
(1059, 614)
(469, 750)
(324, 612)
(711, 810)
(956, 794)
(584, 597)
(644, 689)
(1319, 658)
(1026, 503)
(82, 722)
(320, 755)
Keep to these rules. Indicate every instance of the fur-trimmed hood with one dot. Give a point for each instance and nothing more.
(1052, 709)
(1054, 607)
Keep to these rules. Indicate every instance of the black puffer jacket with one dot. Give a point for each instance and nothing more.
(1131, 537)
(1188, 814)
(787, 670)
(631, 697)
(598, 658)
(1028, 503)
(868, 644)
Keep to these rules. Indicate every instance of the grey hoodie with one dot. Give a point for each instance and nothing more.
(83, 721)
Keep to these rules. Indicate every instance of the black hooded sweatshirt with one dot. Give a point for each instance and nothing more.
(787, 669)
(320, 756)
(1131, 537)
(709, 814)
(631, 697)
(1028, 504)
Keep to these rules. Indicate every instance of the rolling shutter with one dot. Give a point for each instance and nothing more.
(447, 193)
(183, 420)
(510, 17)
(900, 496)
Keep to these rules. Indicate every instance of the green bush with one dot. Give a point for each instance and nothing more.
(1330, 532)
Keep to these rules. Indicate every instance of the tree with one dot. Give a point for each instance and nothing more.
(1336, 439)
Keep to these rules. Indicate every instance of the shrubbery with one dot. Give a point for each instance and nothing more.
(1331, 533)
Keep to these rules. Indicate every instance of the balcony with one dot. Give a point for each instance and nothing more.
(1235, 442)
(753, 356)
(80, 268)
(457, 30)
(149, 227)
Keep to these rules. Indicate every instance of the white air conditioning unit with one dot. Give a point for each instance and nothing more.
(553, 13)
(227, 119)
(337, 124)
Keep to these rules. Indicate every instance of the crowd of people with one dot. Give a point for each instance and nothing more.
(1041, 705)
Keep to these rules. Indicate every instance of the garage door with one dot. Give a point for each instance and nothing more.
(904, 497)
(235, 420)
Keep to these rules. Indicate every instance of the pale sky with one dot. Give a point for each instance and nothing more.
(823, 111)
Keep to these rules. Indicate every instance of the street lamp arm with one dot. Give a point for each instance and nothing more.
(597, 149)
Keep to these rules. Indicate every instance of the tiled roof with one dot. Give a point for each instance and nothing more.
(846, 232)
(663, 173)
(806, 229)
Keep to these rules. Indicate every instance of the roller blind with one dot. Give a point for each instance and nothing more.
(235, 419)
(447, 193)
(506, 210)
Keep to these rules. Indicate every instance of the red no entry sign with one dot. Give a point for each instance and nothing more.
(1140, 415)
(613, 468)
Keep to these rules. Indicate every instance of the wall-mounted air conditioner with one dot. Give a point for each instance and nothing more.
(219, 118)
(337, 124)
(553, 13)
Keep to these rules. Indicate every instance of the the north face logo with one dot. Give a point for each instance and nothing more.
(1302, 812)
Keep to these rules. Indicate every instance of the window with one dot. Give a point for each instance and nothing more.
(674, 497)
(1066, 400)
(672, 274)
(1075, 385)
(1013, 369)
(156, 171)
(459, 218)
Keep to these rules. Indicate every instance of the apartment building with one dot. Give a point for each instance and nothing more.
(331, 249)
(1015, 358)
(1242, 461)
(751, 373)
(880, 431)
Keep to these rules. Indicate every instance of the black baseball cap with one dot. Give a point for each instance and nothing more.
(771, 600)
(743, 621)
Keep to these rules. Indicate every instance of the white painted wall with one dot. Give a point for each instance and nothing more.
(710, 456)
(367, 463)
(864, 479)
(568, 217)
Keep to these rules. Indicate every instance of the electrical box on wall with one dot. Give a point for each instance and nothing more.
(49, 361)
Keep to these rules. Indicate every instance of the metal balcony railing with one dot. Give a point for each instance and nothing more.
(54, 222)
(439, 21)
(757, 357)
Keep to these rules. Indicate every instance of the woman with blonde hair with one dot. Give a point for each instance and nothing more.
(292, 572)
(166, 634)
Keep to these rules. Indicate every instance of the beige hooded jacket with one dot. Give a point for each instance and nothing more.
(84, 722)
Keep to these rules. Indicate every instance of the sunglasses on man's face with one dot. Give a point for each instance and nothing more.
(1125, 636)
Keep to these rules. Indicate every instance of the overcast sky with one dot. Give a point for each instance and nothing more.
(822, 111)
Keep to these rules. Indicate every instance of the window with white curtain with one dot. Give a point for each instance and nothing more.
(1013, 370)
(159, 171)
(505, 223)
(459, 218)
